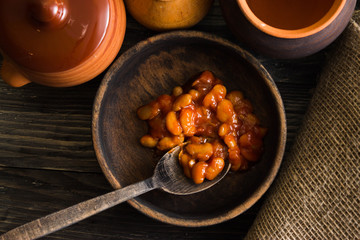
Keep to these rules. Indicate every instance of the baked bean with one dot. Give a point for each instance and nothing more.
(181, 102)
(148, 141)
(238, 162)
(202, 152)
(219, 149)
(225, 111)
(216, 95)
(244, 107)
(187, 121)
(184, 158)
(194, 94)
(224, 130)
(177, 91)
(157, 127)
(172, 123)
(230, 141)
(166, 143)
(186, 161)
(197, 140)
(198, 172)
(250, 139)
(217, 126)
(203, 114)
(206, 124)
(206, 78)
(219, 91)
(216, 165)
(234, 154)
(148, 111)
(209, 100)
(235, 97)
(250, 146)
(165, 102)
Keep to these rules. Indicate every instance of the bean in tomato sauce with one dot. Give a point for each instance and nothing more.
(212, 126)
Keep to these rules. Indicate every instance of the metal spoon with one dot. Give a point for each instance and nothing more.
(168, 176)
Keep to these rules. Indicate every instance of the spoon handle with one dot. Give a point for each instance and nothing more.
(63, 218)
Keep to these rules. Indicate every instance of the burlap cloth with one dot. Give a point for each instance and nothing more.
(316, 194)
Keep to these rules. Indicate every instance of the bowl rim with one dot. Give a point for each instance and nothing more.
(316, 27)
(170, 219)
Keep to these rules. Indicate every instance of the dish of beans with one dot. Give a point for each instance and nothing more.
(211, 125)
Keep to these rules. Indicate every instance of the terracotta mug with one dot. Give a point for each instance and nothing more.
(59, 43)
(287, 28)
(162, 15)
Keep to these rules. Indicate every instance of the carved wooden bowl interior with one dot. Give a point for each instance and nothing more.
(153, 67)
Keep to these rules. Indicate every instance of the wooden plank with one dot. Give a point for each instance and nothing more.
(27, 194)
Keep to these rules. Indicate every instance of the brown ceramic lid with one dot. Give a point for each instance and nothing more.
(52, 35)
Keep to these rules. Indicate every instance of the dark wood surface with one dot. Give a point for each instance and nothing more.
(47, 161)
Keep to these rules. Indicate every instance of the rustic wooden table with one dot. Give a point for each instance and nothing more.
(47, 161)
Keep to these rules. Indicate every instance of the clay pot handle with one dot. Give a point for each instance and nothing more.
(11, 75)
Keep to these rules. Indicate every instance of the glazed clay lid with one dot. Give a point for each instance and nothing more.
(52, 35)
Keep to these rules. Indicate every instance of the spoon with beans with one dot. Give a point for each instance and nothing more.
(168, 176)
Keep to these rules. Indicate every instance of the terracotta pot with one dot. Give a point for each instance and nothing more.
(162, 15)
(59, 43)
(287, 29)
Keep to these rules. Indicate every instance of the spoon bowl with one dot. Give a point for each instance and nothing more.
(168, 176)
(171, 178)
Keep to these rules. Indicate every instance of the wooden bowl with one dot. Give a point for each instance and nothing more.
(287, 36)
(154, 67)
